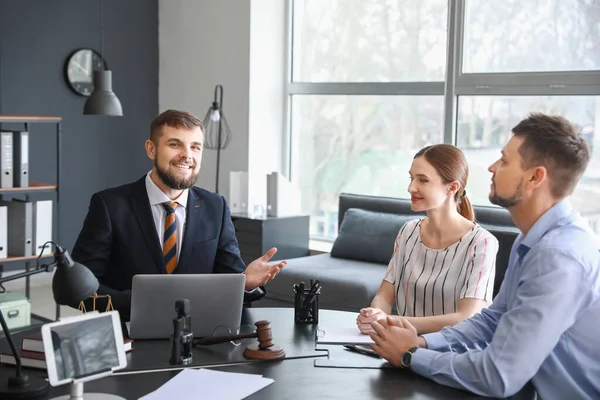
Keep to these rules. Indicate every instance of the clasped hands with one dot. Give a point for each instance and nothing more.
(393, 336)
(259, 271)
(367, 316)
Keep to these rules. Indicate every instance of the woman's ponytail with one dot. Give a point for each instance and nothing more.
(465, 208)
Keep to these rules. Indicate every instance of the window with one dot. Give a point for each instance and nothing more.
(373, 81)
(526, 36)
(358, 144)
(369, 40)
(485, 123)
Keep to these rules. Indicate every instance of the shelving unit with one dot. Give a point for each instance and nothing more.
(34, 188)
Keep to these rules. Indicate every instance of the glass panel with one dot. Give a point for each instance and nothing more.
(528, 36)
(357, 144)
(484, 126)
(369, 40)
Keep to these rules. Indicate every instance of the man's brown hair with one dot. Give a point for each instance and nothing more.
(175, 119)
(555, 143)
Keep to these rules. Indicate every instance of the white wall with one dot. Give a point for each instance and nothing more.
(203, 43)
(240, 45)
(267, 93)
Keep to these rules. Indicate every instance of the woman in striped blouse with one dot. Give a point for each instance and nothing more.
(443, 266)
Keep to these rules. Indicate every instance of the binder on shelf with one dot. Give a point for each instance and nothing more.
(6, 160)
(238, 192)
(42, 226)
(20, 228)
(21, 159)
(3, 232)
(283, 197)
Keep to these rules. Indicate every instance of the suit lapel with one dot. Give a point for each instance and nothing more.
(141, 207)
(193, 216)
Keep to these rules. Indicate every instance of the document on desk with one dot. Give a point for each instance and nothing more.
(341, 335)
(209, 384)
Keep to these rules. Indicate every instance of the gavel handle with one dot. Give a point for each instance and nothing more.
(205, 341)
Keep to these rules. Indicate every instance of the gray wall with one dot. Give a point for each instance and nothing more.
(36, 38)
(204, 43)
(240, 45)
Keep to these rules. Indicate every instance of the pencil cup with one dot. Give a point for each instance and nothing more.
(306, 307)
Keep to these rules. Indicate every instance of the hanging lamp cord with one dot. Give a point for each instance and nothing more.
(102, 31)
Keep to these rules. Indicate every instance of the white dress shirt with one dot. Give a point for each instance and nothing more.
(157, 198)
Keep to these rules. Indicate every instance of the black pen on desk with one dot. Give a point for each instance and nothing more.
(362, 350)
(315, 287)
(309, 299)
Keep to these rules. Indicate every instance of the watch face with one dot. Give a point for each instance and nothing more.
(405, 360)
(80, 69)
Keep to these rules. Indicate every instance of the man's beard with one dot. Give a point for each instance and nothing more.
(508, 202)
(173, 181)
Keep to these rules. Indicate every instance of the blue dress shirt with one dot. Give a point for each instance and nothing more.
(543, 326)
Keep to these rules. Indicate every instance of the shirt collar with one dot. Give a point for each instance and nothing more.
(157, 196)
(544, 223)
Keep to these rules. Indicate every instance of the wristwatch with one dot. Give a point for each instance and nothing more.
(407, 356)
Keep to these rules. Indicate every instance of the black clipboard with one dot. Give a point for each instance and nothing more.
(339, 357)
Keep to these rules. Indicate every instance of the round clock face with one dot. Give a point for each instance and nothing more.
(79, 70)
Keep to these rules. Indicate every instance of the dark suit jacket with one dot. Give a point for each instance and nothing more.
(119, 240)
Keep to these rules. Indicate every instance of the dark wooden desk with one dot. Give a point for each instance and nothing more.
(296, 378)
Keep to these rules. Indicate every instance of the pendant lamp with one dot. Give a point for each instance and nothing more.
(217, 133)
(102, 100)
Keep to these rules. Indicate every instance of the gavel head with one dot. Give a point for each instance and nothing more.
(263, 334)
(264, 349)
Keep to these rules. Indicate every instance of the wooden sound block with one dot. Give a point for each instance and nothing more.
(274, 352)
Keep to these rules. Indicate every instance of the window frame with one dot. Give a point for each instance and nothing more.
(456, 83)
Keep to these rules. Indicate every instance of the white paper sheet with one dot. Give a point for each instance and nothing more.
(340, 335)
(209, 384)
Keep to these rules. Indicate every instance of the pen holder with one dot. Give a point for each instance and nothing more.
(306, 307)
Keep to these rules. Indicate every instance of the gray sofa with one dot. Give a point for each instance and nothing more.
(352, 272)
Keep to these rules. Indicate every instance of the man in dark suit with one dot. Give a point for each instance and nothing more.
(162, 223)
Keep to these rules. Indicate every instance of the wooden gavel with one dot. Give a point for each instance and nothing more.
(265, 349)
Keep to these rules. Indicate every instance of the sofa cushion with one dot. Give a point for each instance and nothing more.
(346, 284)
(368, 236)
(506, 237)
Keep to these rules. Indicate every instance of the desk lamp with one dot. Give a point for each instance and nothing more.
(71, 283)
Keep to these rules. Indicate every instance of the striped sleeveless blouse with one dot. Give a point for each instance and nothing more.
(432, 281)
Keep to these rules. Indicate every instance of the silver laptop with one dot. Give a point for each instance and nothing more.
(216, 302)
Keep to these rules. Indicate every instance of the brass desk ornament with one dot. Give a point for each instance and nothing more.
(95, 297)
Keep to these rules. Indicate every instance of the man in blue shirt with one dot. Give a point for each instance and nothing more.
(544, 324)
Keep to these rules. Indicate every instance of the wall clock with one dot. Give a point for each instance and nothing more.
(79, 70)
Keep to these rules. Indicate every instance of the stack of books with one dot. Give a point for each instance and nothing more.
(32, 352)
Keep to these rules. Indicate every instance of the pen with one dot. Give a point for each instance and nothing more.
(362, 350)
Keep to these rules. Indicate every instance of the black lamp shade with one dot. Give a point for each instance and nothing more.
(103, 101)
(72, 284)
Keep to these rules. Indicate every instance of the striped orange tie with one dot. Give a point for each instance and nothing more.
(170, 237)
